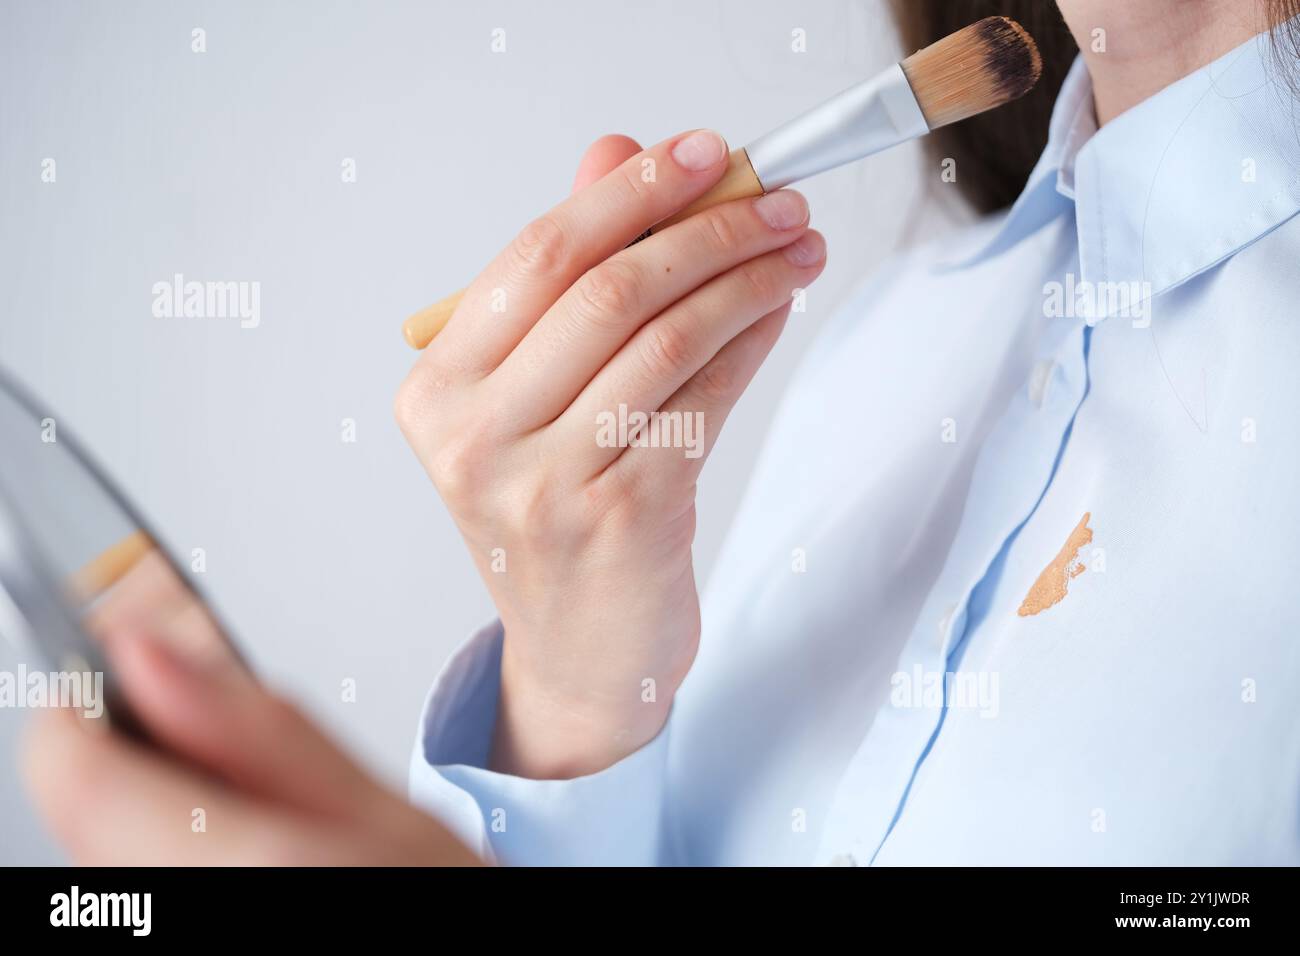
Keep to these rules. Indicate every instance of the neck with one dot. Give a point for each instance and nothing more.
(1135, 48)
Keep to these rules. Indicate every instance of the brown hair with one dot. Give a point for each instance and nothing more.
(997, 150)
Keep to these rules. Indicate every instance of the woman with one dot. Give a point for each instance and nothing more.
(1011, 583)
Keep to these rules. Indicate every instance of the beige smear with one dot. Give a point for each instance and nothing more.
(1053, 584)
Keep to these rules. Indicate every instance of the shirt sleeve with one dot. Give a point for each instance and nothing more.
(610, 818)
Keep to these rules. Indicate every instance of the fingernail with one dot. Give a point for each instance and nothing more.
(783, 209)
(808, 250)
(702, 149)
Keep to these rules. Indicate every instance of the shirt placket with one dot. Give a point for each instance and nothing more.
(1015, 468)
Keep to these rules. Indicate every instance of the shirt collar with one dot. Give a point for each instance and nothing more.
(1173, 186)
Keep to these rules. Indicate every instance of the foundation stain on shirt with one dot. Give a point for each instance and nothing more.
(1053, 584)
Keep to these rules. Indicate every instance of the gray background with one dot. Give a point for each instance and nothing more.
(333, 560)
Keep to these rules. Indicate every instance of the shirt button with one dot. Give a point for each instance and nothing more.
(1038, 380)
(842, 859)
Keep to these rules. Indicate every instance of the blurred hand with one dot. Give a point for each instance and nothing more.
(266, 785)
(586, 548)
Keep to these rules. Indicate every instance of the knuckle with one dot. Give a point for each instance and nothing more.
(409, 407)
(760, 282)
(720, 230)
(416, 401)
(454, 467)
(609, 292)
(718, 382)
(532, 516)
(666, 348)
(540, 248)
(638, 189)
(609, 502)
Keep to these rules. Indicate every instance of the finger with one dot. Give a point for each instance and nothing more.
(602, 157)
(708, 397)
(669, 350)
(149, 589)
(236, 730)
(604, 309)
(153, 596)
(554, 250)
(111, 802)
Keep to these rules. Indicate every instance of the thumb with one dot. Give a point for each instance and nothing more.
(603, 156)
(235, 729)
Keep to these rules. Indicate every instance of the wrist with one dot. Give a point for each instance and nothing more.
(546, 732)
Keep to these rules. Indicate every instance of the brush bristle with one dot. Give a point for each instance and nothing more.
(983, 66)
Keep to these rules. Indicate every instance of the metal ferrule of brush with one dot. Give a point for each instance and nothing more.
(864, 119)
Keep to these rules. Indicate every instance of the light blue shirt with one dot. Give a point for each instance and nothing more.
(1015, 580)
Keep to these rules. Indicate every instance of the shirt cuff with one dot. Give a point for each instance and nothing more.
(610, 818)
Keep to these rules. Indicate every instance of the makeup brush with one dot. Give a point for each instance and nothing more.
(978, 68)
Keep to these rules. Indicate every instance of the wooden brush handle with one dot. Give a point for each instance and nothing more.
(738, 182)
(110, 566)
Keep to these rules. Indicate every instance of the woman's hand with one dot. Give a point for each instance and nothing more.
(586, 548)
(260, 784)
